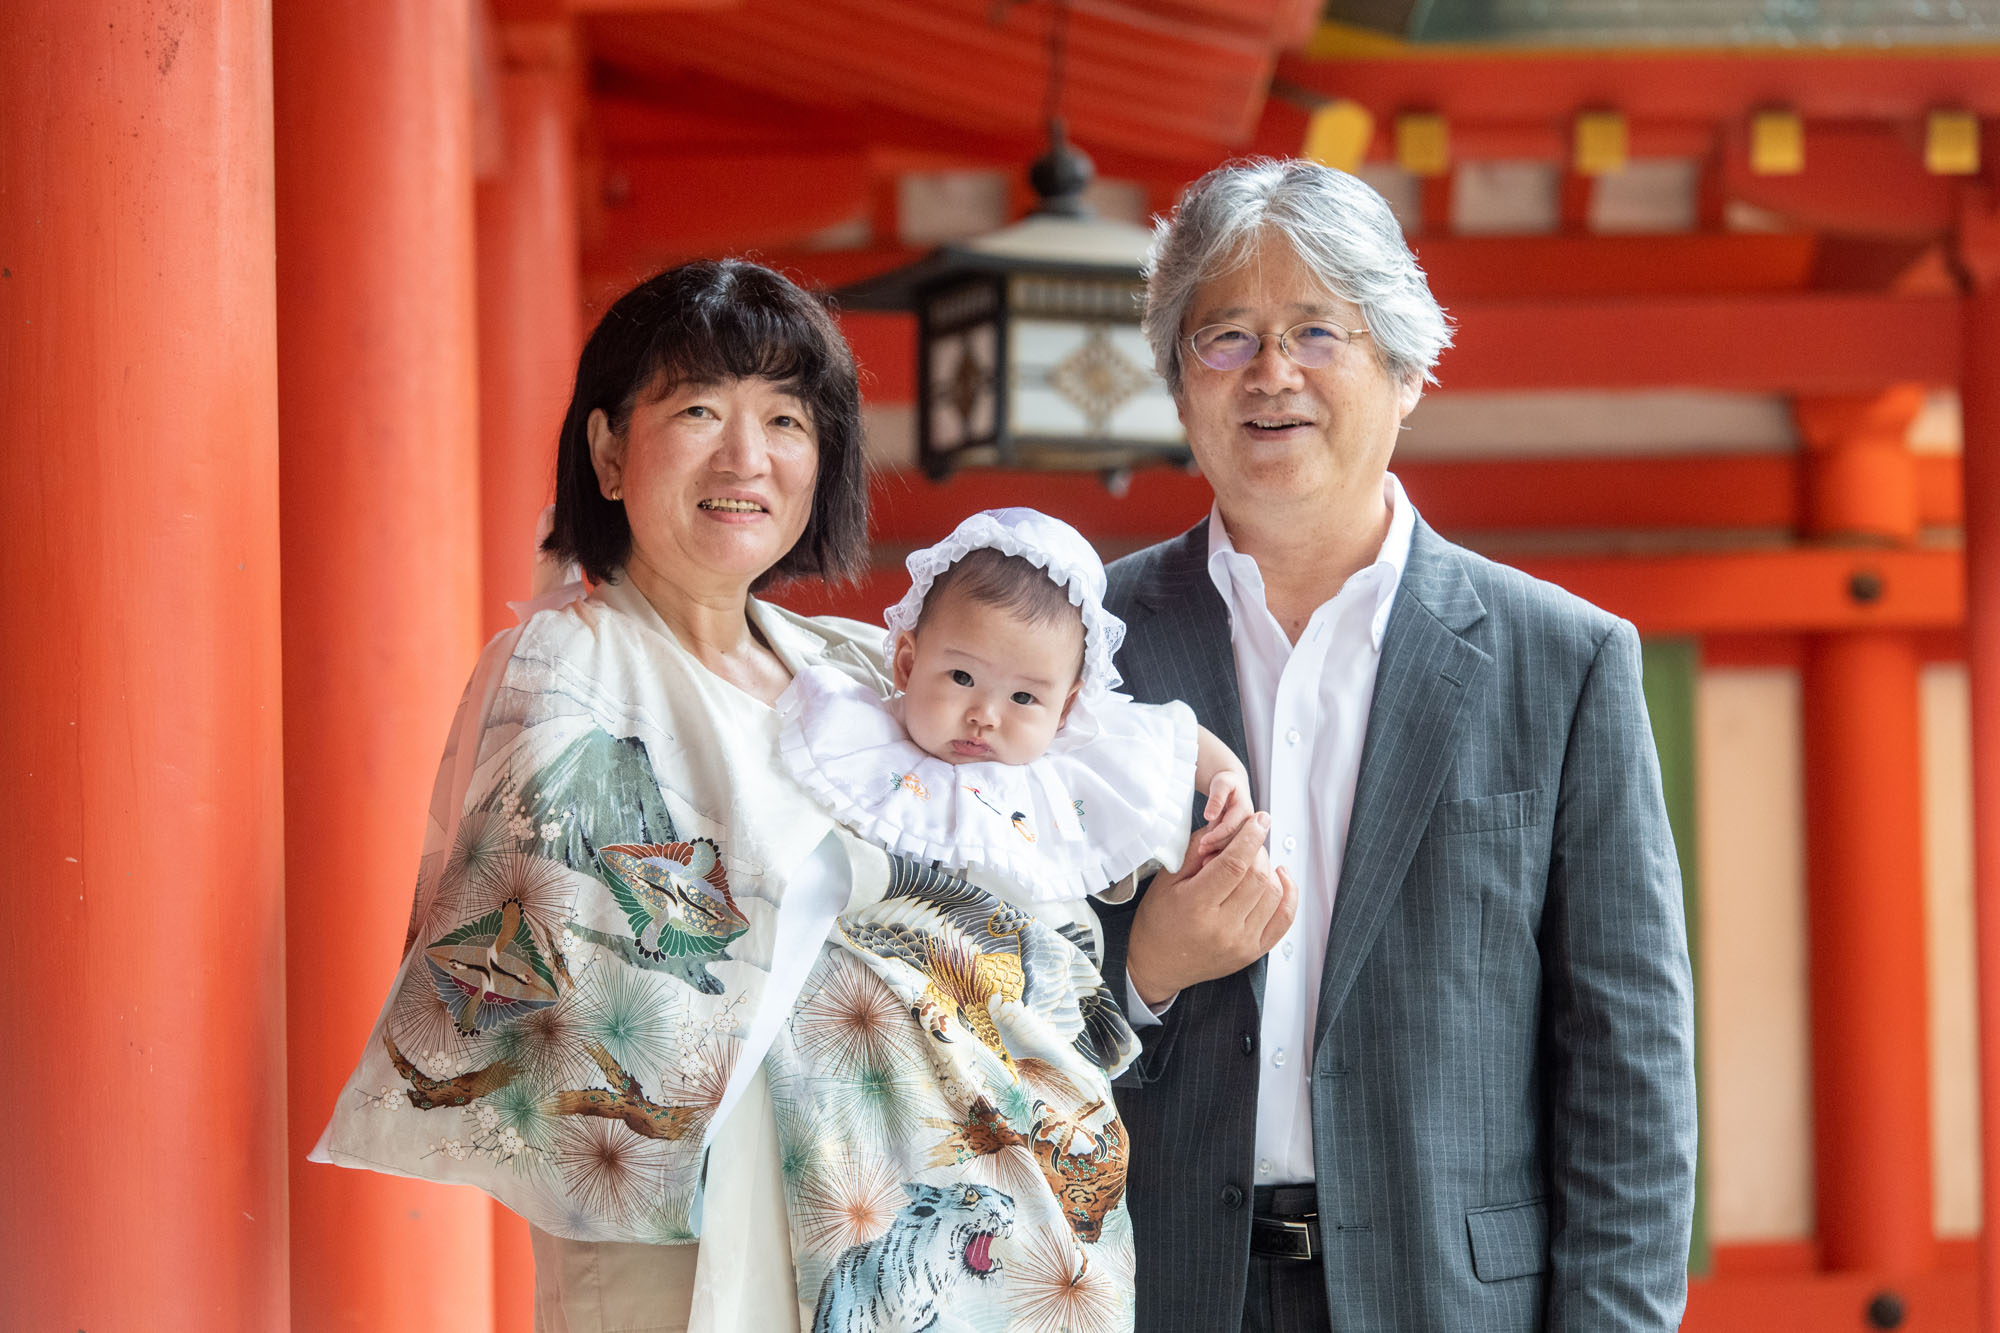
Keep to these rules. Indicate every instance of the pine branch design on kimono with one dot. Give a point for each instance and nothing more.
(432, 1094)
(627, 1102)
(624, 1101)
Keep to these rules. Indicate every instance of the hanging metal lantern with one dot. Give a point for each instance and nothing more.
(1029, 353)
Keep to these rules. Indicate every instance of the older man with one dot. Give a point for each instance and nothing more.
(1458, 1093)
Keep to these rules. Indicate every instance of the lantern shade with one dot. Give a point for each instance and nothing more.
(1029, 350)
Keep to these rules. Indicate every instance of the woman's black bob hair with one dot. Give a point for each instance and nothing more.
(702, 323)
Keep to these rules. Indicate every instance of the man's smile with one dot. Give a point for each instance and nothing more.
(1275, 422)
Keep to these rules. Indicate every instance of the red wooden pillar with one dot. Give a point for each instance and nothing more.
(142, 1185)
(530, 311)
(530, 330)
(1979, 388)
(1865, 903)
(381, 547)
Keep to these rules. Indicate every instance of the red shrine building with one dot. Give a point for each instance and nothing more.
(290, 296)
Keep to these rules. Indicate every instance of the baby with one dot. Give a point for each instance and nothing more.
(1006, 755)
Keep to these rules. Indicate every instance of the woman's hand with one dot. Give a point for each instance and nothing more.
(1190, 928)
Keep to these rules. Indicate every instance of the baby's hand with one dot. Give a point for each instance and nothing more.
(1228, 806)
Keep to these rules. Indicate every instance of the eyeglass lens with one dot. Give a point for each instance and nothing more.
(1231, 346)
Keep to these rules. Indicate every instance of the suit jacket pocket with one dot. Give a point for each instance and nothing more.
(1482, 814)
(1511, 1240)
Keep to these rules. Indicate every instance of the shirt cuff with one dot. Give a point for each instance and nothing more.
(1138, 1012)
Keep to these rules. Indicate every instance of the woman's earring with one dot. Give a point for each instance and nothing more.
(617, 492)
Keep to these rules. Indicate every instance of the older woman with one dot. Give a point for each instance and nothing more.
(738, 1068)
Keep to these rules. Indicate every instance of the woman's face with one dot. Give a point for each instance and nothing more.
(717, 481)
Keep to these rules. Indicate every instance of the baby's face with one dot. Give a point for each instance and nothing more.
(982, 685)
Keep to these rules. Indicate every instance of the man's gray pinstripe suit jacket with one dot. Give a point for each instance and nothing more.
(1502, 1066)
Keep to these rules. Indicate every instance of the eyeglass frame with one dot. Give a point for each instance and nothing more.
(1347, 336)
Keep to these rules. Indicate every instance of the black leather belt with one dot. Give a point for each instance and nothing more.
(1284, 1223)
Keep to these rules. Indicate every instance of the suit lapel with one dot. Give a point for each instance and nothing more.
(1182, 640)
(1423, 685)
(1179, 636)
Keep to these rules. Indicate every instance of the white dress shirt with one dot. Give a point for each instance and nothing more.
(1305, 715)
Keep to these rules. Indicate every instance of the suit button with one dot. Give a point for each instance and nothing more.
(1249, 1044)
(1232, 1196)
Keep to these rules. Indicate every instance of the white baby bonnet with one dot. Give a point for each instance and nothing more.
(1113, 792)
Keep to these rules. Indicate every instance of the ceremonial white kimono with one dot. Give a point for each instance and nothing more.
(651, 992)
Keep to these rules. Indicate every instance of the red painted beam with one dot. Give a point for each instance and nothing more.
(1551, 140)
(1767, 591)
(885, 346)
(1859, 179)
(907, 510)
(878, 589)
(1499, 86)
(660, 208)
(1489, 268)
(1729, 491)
(1814, 1303)
(1934, 646)
(1663, 493)
(1762, 344)
(1696, 493)
(1482, 268)
(647, 6)
(1771, 342)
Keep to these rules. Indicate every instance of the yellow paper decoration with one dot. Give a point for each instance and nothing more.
(1601, 143)
(1338, 134)
(1423, 143)
(1951, 144)
(1777, 143)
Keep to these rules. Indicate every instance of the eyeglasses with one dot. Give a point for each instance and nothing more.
(1231, 346)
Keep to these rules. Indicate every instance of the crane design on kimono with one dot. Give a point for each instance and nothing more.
(489, 970)
(676, 897)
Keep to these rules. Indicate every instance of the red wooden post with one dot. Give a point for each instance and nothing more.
(1865, 901)
(1979, 387)
(530, 316)
(381, 547)
(143, 1181)
(530, 311)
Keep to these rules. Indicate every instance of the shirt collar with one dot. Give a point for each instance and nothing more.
(1240, 582)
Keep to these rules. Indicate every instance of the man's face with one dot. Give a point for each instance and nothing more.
(1275, 433)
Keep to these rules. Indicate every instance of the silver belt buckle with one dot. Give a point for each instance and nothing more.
(1284, 1238)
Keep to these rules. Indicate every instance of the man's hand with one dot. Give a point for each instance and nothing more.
(1218, 920)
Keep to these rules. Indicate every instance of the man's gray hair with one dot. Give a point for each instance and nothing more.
(1340, 228)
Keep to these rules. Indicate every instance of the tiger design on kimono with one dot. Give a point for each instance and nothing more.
(897, 1282)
